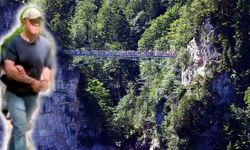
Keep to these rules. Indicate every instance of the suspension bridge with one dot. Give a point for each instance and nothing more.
(128, 54)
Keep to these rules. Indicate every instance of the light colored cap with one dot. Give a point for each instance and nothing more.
(32, 13)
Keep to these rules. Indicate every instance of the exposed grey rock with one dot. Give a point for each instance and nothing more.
(222, 87)
(203, 54)
(8, 10)
(203, 57)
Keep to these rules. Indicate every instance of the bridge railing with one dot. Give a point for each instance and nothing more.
(129, 54)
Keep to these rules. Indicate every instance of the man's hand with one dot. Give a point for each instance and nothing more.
(44, 85)
(20, 70)
(48, 76)
(39, 86)
(35, 85)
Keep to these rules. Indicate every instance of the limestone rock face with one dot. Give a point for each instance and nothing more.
(203, 55)
(7, 18)
(203, 58)
(223, 89)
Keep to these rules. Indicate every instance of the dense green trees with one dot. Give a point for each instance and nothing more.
(112, 26)
(155, 34)
(83, 24)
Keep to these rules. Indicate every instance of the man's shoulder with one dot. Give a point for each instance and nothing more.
(12, 37)
(47, 41)
(44, 39)
(11, 40)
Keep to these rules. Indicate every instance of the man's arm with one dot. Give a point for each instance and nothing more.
(16, 73)
(47, 76)
(12, 71)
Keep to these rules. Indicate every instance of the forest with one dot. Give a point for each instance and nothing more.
(200, 100)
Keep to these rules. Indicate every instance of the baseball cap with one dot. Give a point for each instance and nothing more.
(32, 13)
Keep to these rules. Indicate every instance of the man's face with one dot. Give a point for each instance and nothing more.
(33, 26)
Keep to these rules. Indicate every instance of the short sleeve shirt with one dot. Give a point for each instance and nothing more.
(33, 57)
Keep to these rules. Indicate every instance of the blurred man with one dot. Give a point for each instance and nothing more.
(28, 62)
